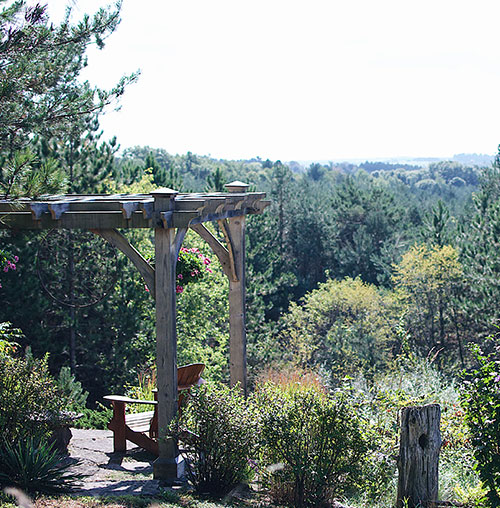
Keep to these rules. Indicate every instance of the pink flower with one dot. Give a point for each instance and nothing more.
(179, 289)
(209, 270)
(16, 259)
(6, 268)
(193, 274)
(207, 261)
(146, 288)
(180, 276)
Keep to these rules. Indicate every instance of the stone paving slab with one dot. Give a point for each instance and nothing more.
(108, 473)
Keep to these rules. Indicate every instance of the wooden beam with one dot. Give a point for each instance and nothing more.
(179, 238)
(218, 249)
(116, 239)
(223, 224)
(168, 466)
(235, 232)
(74, 220)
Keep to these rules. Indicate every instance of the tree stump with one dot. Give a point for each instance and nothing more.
(420, 443)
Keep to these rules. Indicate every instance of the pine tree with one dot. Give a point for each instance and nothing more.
(40, 94)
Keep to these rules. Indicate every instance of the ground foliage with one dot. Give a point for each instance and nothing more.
(311, 443)
(481, 401)
(223, 438)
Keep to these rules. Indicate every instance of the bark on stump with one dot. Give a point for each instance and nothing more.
(420, 443)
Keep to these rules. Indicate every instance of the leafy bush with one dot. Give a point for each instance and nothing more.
(343, 326)
(481, 402)
(34, 466)
(29, 401)
(312, 442)
(8, 336)
(223, 430)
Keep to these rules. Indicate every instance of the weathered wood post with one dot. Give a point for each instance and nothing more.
(419, 446)
(237, 297)
(169, 464)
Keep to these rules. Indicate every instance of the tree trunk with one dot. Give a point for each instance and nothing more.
(419, 447)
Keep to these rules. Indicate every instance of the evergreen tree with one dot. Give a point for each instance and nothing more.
(216, 181)
(40, 94)
(480, 247)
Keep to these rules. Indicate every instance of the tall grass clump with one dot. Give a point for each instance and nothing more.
(35, 466)
(414, 381)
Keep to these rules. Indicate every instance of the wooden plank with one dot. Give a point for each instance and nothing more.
(214, 217)
(218, 249)
(235, 228)
(74, 220)
(173, 219)
(128, 208)
(223, 224)
(141, 440)
(205, 203)
(179, 238)
(190, 204)
(117, 425)
(128, 400)
(234, 232)
(259, 206)
(116, 239)
(166, 466)
(140, 422)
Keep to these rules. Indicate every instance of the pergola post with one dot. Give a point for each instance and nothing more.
(237, 297)
(169, 464)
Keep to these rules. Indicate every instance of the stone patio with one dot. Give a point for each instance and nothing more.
(108, 473)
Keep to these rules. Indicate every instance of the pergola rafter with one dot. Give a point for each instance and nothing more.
(170, 214)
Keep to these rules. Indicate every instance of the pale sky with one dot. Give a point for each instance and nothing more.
(304, 80)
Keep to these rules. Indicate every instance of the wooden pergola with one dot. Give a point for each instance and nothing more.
(170, 213)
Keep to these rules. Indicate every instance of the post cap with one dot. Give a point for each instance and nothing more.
(236, 187)
(164, 192)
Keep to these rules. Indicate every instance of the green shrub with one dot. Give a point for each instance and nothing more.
(29, 401)
(34, 466)
(481, 402)
(94, 418)
(72, 394)
(312, 443)
(8, 336)
(223, 435)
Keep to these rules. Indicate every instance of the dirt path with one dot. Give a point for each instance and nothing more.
(107, 473)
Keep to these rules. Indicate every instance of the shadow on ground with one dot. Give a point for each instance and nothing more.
(107, 473)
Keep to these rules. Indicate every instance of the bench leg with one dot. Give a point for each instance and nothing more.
(117, 425)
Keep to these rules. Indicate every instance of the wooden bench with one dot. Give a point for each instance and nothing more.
(142, 428)
(132, 427)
